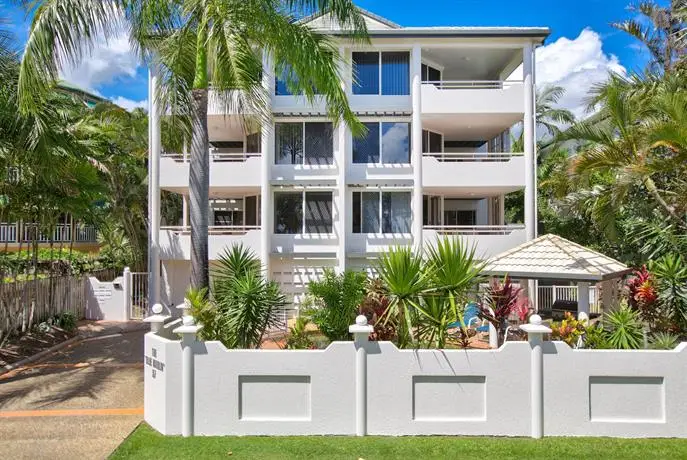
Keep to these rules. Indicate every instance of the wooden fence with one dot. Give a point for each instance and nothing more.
(24, 304)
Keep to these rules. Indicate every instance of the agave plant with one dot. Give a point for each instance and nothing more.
(624, 328)
(663, 341)
(671, 274)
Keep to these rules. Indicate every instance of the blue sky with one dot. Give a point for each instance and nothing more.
(572, 58)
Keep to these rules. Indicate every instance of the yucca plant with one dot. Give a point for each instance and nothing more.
(663, 341)
(625, 330)
(406, 277)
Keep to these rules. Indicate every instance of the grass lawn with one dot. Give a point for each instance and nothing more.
(147, 443)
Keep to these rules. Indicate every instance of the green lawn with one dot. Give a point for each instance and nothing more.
(146, 443)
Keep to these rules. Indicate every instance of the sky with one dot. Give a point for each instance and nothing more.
(581, 50)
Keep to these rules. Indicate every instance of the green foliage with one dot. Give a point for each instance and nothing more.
(569, 330)
(299, 337)
(671, 280)
(244, 303)
(336, 301)
(596, 337)
(624, 328)
(65, 320)
(663, 341)
(61, 261)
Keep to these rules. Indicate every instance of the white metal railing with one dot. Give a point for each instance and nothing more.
(139, 295)
(450, 157)
(8, 233)
(473, 84)
(474, 229)
(215, 156)
(548, 295)
(62, 233)
(215, 229)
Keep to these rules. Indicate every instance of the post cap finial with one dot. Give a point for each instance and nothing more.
(361, 320)
(535, 319)
(157, 308)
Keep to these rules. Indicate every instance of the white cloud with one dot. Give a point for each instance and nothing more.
(576, 65)
(130, 104)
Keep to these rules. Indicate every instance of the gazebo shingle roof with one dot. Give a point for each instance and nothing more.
(553, 257)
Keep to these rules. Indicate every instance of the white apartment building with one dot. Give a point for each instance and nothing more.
(305, 194)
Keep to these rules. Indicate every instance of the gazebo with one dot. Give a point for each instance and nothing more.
(551, 257)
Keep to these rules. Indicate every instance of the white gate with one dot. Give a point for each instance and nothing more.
(139, 295)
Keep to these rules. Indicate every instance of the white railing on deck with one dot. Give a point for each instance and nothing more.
(62, 233)
(474, 229)
(548, 295)
(215, 229)
(472, 156)
(473, 84)
(215, 156)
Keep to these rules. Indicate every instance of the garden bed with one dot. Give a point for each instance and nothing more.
(35, 341)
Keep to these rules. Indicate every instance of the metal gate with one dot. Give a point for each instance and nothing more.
(139, 295)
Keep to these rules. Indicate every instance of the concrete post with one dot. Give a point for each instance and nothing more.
(154, 149)
(157, 319)
(341, 163)
(535, 336)
(188, 332)
(267, 149)
(416, 143)
(126, 287)
(361, 331)
(583, 297)
(529, 140)
(184, 211)
(493, 336)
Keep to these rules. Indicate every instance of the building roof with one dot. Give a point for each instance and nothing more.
(89, 98)
(387, 28)
(553, 257)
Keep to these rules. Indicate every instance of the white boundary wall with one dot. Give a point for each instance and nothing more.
(417, 392)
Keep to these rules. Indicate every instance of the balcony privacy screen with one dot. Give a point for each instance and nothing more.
(318, 212)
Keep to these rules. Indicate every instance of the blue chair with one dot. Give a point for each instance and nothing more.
(470, 317)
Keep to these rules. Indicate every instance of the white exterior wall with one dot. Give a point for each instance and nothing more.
(418, 392)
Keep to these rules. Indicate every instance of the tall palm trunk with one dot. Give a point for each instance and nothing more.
(199, 188)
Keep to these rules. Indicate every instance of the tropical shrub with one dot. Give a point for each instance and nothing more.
(671, 276)
(663, 341)
(569, 330)
(299, 338)
(595, 337)
(624, 328)
(244, 304)
(500, 301)
(374, 307)
(336, 301)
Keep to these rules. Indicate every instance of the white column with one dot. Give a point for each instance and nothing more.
(341, 163)
(154, 148)
(126, 288)
(416, 143)
(361, 331)
(535, 336)
(583, 297)
(529, 141)
(267, 148)
(184, 211)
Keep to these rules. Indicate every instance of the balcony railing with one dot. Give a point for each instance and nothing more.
(215, 156)
(548, 295)
(472, 156)
(62, 233)
(474, 229)
(215, 229)
(473, 84)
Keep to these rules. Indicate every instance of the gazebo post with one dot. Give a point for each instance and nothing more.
(583, 297)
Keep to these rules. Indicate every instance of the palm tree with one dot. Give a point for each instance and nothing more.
(637, 144)
(663, 36)
(196, 44)
(548, 117)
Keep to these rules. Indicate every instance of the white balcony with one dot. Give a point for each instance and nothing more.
(496, 172)
(175, 242)
(488, 240)
(226, 170)
(473, 97)
(365, 244)
(323, 245)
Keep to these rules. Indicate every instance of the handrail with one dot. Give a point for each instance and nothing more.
(214, 156)
(214, 229)
(62, 233)
(473, 84)
(474, 229)
(472, 156)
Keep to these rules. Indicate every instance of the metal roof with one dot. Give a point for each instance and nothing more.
(553, 257)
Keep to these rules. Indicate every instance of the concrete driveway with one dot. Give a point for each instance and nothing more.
(80, 402)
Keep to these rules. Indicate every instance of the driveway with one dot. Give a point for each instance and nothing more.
(80, 402)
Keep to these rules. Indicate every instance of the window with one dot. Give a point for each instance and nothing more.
(391, 78)
(386, 142)
(254, 143)
(304, 143)
(291, 216)
(460, 217)
(381, 212)
(429, 73)
(432, 142)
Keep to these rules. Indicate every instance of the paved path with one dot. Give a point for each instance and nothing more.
(78, 403)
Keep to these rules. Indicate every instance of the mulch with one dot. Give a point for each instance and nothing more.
(26, 345)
